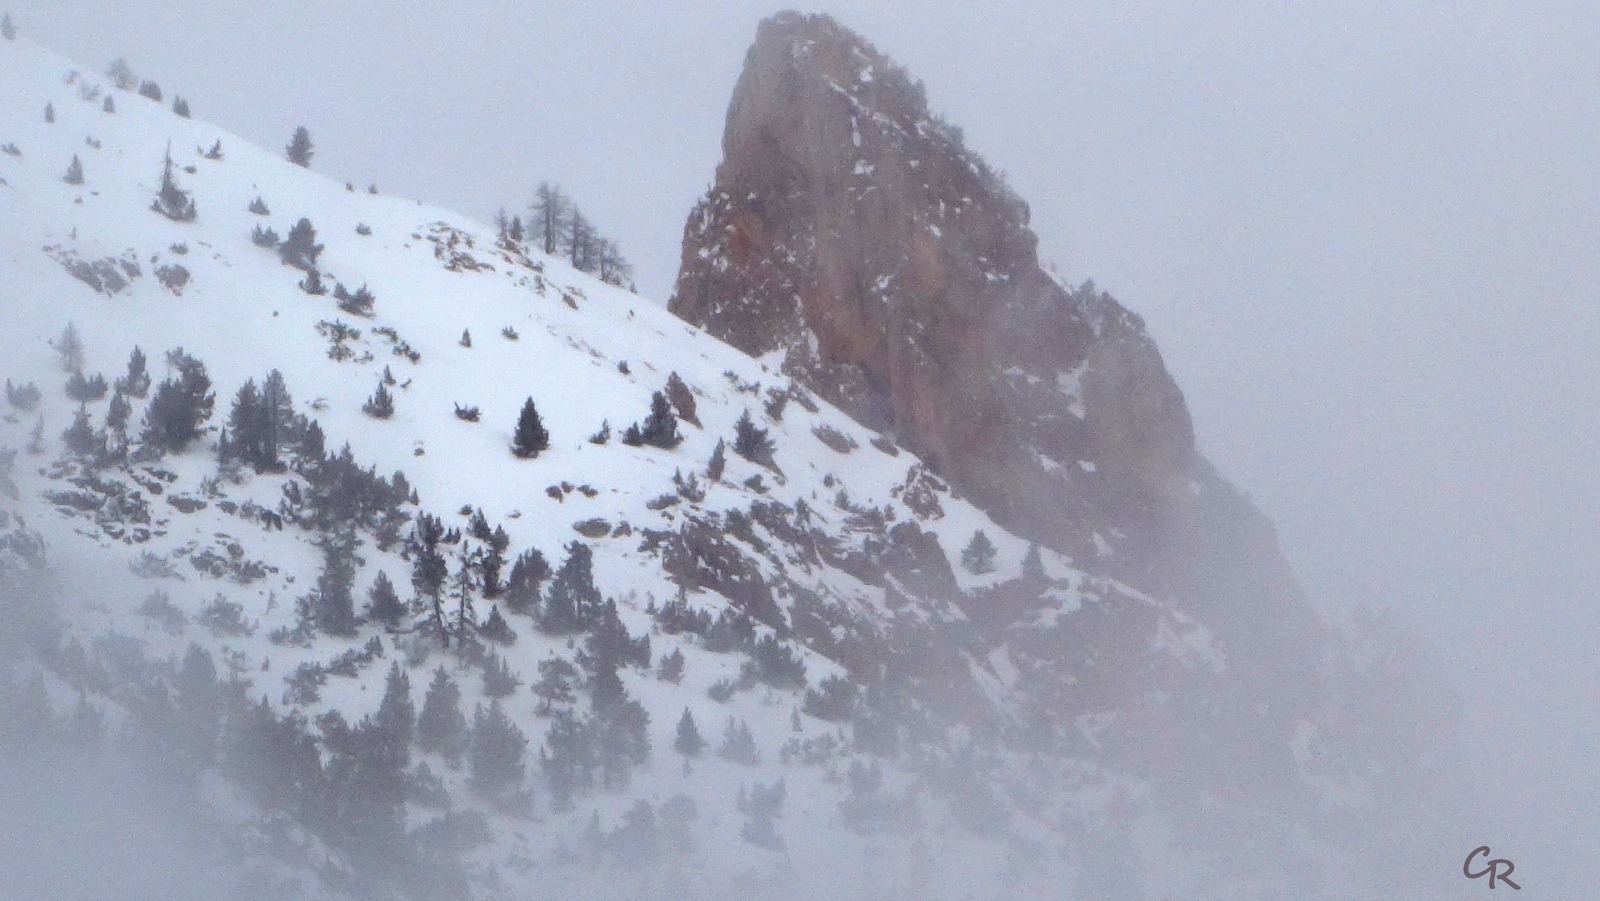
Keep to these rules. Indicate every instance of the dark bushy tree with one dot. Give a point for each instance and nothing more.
(151, 90)
(334, 604)
(180, 106)
(573, 598)
(528, 573)
(688, 742)
(978, 555)
(299, 150)
(751, 442)
(300, 249)
(137, 382)
(180, 405)
(383, 602)
(172, 201)
(530, 437)
(74, 174)
(441, 727)
(660, 428)
(496, 752)
(85, 389)
(381, 404)
(8, 28)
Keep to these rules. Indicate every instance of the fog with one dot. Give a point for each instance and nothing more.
(1366, 236)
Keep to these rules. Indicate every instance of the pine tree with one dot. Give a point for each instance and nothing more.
(396, 718)
(496, 629)
(334, 607)
(383, 603)
(682, 399)
(573, 598)
(441, 727)
(180, 406)
(8, 29)
(718, 462)
(259, 207)
(180, 107)
(751, 442)
(522, 587)
(739, 743)
(79, 438)
(74, 174)
(300, 248)
(978, 556)
(496, 753)
(121, 75)
(150, 90)
(549, 221)
(1033, 565)
(671, 669)
(299, 150)
(498, 679)
(688, 743)
(172, 201)
(137, 382)
(110, 105)
(555, 686)
(312, 284)
(429, 569)
(69, 347)
(381, 404)
(660, 428)
(530, 437)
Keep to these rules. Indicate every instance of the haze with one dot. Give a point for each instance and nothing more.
(1366, 236)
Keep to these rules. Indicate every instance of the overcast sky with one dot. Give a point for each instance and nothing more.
(1366, 236)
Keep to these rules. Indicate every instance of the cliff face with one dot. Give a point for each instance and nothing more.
(852, 235)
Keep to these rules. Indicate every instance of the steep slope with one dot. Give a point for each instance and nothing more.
(853, 240)
(1019, 726)
(826, 562)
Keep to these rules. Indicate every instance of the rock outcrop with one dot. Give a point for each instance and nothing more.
(852, 236)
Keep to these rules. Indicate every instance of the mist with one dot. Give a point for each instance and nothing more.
(1366, 238)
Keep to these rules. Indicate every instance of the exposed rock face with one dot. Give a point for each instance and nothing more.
(851, 233)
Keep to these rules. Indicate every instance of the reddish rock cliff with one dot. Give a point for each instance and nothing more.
(852, 233)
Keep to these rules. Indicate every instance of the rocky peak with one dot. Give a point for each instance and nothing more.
(852, 235)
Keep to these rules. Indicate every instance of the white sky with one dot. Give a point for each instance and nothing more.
(1367, 237)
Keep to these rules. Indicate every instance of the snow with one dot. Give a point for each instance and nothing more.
(435, 274)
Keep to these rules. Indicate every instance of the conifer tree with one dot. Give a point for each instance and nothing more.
(381, 404)
(718, 462)
(383, 602)
(441, 727)
(555, 686)
(69, 347)
(299, 150)
(396, 718)
(172, 201)
(300, 248)
(1033, 565)
(530, 437)
(334, 607)
(110, 105)
(671, 669)
(978, 556)
(688, 742)
(74, 174)
(660, 428)
(137, 382)
(496, 753)
(79, 437)
(429, 569)
(573, 598)
(739, 743)
(180, 405)
(549, 221)
(498, 679)
(180, 107)
(751, 442)
(150, 90)
(8, 29)
(121, 75)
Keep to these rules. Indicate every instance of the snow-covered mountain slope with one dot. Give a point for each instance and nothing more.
(980, 719)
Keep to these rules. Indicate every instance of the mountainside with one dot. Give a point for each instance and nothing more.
(853, 240)
(886, 689)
